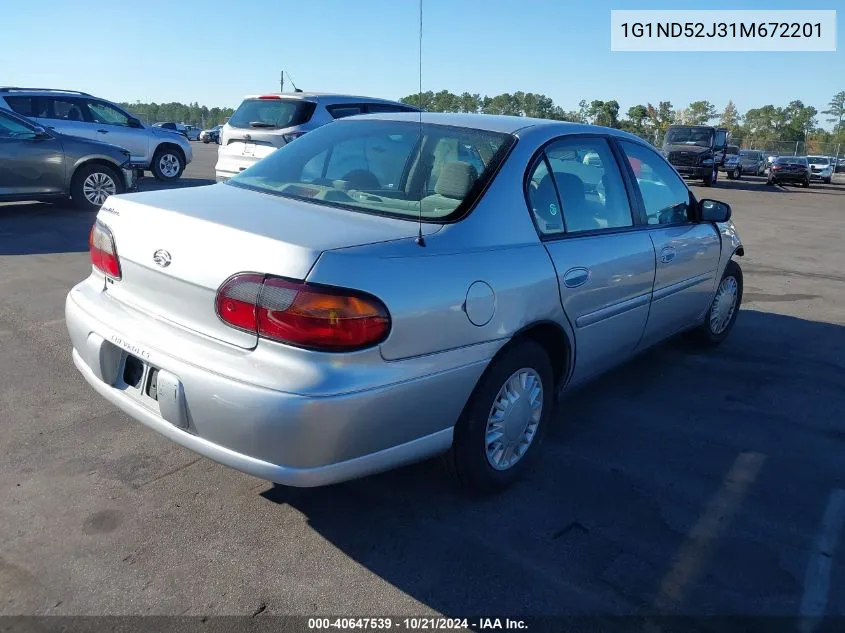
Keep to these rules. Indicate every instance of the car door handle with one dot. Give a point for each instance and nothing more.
(103, 131)
(667, 254)
(575, 277)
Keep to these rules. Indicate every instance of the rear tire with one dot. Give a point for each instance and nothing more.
(723, 310)
(92, 184)
(806, 183)
(502, 426)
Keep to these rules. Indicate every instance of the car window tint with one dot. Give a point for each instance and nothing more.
(340, 111)
(590, 190)
(104, 113)
(21, 105)
(386, 107)
(67, 110)
(665, 196)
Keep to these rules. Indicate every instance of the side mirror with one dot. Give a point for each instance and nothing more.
(39, 133)
(714, 211)
(133, 122)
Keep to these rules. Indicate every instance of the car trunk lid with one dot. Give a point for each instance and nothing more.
(177, 247)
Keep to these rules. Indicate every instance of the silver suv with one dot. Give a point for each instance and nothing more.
(263, 123)
(163, 152)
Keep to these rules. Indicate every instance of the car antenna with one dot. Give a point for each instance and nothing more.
(295, 89)
(420, 239)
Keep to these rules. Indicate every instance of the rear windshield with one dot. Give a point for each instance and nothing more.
(818, 160)
(791, 160)
(272, 113)
(394, 168)
(747, 154)
(732, 149)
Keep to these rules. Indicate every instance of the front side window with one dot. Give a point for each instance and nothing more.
(665, 196)
(393, 168)
(271, 113)
(577, 187)
(105, 113)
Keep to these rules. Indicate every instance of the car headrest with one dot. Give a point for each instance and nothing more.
(456, 179)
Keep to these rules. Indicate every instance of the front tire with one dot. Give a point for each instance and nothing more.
(168, 164)
(709, 180)
(502, 426)
(737, 173)
(92, 184)
(724, 308)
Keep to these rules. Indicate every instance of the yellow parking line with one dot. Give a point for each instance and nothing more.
(701, 540)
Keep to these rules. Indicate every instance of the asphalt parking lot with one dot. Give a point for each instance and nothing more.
(684, 482)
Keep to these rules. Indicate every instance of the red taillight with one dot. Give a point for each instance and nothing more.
(300, 314)
(103, 251)
(775, 167)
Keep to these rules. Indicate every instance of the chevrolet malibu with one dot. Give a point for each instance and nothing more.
(392, 287)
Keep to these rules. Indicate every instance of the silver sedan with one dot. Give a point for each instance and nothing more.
(388, 288)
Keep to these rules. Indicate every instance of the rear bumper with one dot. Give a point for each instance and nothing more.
(287, 438)
(787, 177)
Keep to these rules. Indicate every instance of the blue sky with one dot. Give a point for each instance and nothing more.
(216, 52)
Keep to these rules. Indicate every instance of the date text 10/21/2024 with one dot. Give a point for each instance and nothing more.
(416, 624)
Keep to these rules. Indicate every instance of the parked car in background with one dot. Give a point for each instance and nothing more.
(790, 169)
(840, 165)
(41, 164)
(173, 127)
(211, 135)
(296, 355)
(753, 162)
(158, 150)
(192, 132)
(696, 151)
(263, 123)
(821, 168)
(732, 165)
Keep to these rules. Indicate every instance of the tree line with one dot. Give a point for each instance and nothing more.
(191, 114)
(767, 125)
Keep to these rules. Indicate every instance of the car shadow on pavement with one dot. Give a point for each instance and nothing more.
(633, 461)
(30, 228)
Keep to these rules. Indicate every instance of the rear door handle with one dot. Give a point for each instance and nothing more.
(575, 277)
(103, 131)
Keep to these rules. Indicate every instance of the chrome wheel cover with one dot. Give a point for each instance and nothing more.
(724, 305)
(514, 419)
(169, 165)
(97, 187)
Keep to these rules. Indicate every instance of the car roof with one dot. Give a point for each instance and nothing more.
(319, 97)
(494, 122)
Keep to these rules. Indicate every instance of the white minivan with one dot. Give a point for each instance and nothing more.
(264, 123)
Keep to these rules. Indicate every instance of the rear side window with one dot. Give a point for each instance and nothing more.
(583, 192)
(272, 113)
(340, 111)
(22, 105)
(387, 107)
(66, 109)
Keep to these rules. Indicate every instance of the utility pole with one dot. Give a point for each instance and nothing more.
(282, 81)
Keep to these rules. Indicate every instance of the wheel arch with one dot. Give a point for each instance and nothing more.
(167, 145)
(557, 342)
(96, 160)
